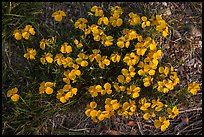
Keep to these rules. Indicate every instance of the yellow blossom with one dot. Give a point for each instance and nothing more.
(172, 112)
(145, 22)
(65, 48)
(43, 43)
(115, 57)
(193, 88)
(58, 15)
(162, 122)
(81, 23)
(17, 34)
(30, 54)
(12, 93)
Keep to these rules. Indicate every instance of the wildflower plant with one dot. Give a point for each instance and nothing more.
(110, 60)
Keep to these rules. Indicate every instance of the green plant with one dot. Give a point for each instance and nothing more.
(109, 57)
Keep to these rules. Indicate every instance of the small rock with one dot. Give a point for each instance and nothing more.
(191, 62)
(164, 3)
(168, 11)
(195, 32)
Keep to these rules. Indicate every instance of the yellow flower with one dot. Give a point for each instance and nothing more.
(58, 15)
(134, 91)
(58, 58)
(146, 116)
(46, 57)
(17, 34)
(152, 72)
(121, 79)
(94, 55)
(162, 122)
(103, 20)
(27, 31)
(90, 112)
(79, 45)
(62, 99)
(193, 88)
(172, 112)
(98, 11)
(49, 90)
(131, 59)
(46, 87)
(145, 22)
(114, 103)
(43, 43)
(134, 19)
(157, 55)
(81, 23)
(12, 93)
(30, 54)
(116, 10)
(107, 41)
(157, 105)
(162, 27)
(93, 90)
(140, 49)
(115, 57)
(145, 106)
(107, 87)
(15, 97)
(116, 21)
(147, 81)
(65, 48)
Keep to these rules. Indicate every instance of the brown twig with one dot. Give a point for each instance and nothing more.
(189, 110)
(188, 126)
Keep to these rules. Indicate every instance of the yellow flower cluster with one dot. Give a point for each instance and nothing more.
(25, 33)
(66, 93)
(71, 75)
(110, 107)
(12, 93)
(125, 65)
(115, 19)
(161, 25)
(167, 84)
(134, 19)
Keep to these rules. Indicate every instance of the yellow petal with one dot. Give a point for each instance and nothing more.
(74, 91)
(49, 59)
(68, 49)
(146, 116)
(93, 113)
(68, 95)
(78, 72)
(63, 100)
(107, 86)
(157, 123)
(58, 17)
(115, 106)
(163, 128)
(15, 97)
(93, 104)
(49, 90)
(84, 63)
